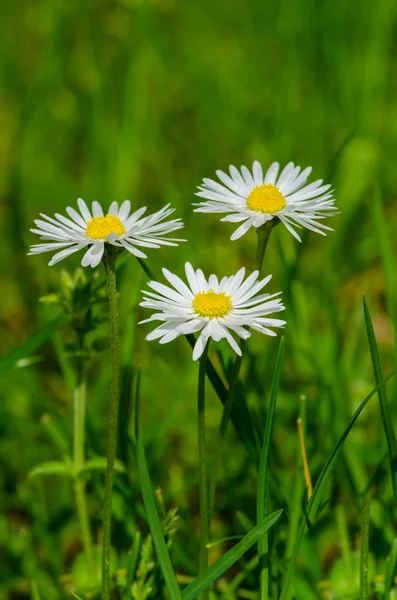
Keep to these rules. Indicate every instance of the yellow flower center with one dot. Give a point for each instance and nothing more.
(266, 198)
(100, 227)
(213, 305)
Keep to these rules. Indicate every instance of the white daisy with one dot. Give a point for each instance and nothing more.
(215, 308)
(256, 199)
(93, 229)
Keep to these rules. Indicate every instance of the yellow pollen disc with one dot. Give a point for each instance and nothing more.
(213, 305)
(100, 227)
(266, 198)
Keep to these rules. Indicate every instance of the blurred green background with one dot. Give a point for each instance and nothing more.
(141, 99)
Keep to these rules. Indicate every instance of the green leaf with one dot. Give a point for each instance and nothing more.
(364, 554)
(384, 407)
(230, 538)
(261, 500)
(391, 569)
(152, 514)
(315, 500)
(99, 464)
(227, 560)
(240, 414)
(35, 591)
(26, 349)
(51, 468)
(76, 596)
(131, 565)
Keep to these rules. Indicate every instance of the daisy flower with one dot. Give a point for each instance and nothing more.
(213, 308)
(91, 229)
(256, 198)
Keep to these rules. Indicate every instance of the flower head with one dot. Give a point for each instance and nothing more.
(254, 198)
(93, 229)
(212, 307)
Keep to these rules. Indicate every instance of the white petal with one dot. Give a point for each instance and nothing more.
(124, 210)
(98, 256)
(178, 284)
(76, 217)
(258, 173)
(199, 346)
(84, 209)
(97, 209)
(132, 249)
(191, 277)
(240, 231)
(271, 174)
(61, 255)
(113, 208)
(132, 219)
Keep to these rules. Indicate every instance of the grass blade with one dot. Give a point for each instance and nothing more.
(261, 499)
(131, 565)
(384, 408)
(31, 345)
(391, 568)
(152, 514)
(316, 497)
(388, 260)
(229, 558)
(364, 591)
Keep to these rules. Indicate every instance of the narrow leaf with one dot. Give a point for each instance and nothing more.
(30, 346)
(50, 468)
(152, 514)
(227, 560)
(261, 499)
(35, 591)
(99, 464)
(391, 569)
(384, 407)
(131, 565)
(365, 516)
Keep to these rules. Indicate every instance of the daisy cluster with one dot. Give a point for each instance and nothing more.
(210, 307)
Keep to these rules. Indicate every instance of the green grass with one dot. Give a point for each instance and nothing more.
(141, 99)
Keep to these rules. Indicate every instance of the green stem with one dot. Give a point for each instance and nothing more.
(263, 233)
(109, 260)
(78, 459)
(204, 505)
(232, 387)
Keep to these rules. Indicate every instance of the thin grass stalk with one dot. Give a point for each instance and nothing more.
(110, 268)
(203, 481)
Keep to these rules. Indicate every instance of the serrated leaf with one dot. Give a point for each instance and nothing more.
(229, 558)
(51, 468)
